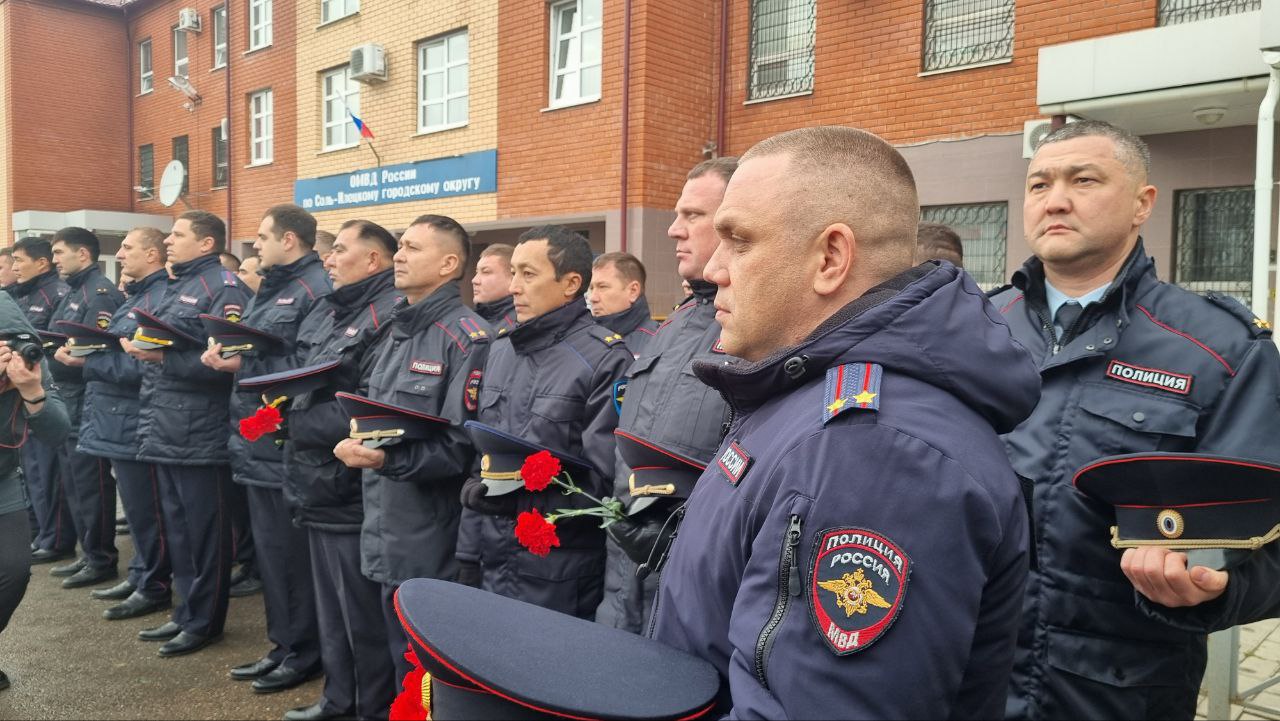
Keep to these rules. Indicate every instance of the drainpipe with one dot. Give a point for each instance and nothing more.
(226, 9)
(626, 117)
(722, 101)
(1263, 185)
(133, 162)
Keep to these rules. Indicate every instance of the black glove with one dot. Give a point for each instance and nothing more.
(637, 536)
(474, 497)
(469, 574)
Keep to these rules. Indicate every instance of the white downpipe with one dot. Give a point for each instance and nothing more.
(1264, 183)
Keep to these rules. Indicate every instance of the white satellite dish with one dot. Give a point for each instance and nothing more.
(171, 182)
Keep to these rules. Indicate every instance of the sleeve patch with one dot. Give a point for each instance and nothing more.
(471, 395)
(853, 385)
(857, 583)
(232, 312)
(104, 319)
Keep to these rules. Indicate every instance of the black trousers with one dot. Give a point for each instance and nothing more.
(91, 493)
(15, 562)
(54, 528)
(359, 678)
(241, 533)
(397, 639)
(198, 530)
(284, 561)
(150, 570)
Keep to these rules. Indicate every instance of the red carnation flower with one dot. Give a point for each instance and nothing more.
(265, 420)
(408, 705)
(538, 470)
(536, 533)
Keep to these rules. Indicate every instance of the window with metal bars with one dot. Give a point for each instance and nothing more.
(782, 40)
(180, 154)
(984, 232)
(1213, 231)
(146, 172)
(960, 33)
(1174, 12)
(220, 164)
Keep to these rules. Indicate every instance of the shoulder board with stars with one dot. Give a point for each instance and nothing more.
(229, 279)
(1258, 327)
(611, 339)
(853, 385)
(503, 330)
(473, 329)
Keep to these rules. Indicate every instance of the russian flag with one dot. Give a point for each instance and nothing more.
(365, 132)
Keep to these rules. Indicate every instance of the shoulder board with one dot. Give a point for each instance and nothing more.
(474, 330)
(997, 291)
(849, 386)
(229, 279)
(1259, 327)
(503, 331)
(606, 336)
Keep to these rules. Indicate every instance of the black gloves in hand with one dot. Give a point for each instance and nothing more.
(637, 536)
(469, 574)
(473, 497)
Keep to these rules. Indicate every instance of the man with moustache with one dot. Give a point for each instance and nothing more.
(617, 301)
(490, 288)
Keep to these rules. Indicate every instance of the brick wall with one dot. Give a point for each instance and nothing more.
(6, 111)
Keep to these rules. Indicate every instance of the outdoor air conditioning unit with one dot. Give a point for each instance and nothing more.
(368, 63)
(189, 20)
(1033, 131)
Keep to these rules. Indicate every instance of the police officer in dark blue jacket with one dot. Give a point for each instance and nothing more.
(551, 381)
(182, 428)
(293, 282)
(858, 547)
(1129, 364)
(109, 429)
(490, 287)
(617, 301)
(91, 490)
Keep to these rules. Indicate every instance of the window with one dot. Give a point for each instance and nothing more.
(220, 164)
(145, 76)
(331, 10)
(575, 52)
(220, 37)
(146, 171)
(260, 130)
(442, 82)
(960, 33)
(1213, 231)
(782, 33)
(180, 60)
(259, 24)
(180, 154)
(1172, 12)
(984, 232)
(341, 96)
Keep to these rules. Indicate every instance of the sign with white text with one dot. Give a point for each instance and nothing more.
(468, 174)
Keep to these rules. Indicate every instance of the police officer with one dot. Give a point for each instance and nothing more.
(551, 382)
(490, 288)
(324, 493)
(617, 301)
(91, 490)
(1129, 364)
(109, 429)
(8, 280)
(665, 403)
(858, 547)
(38, 292)
(182, 428)
(430, 359)
(293, 282)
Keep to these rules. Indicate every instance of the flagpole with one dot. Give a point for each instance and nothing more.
(352, 115)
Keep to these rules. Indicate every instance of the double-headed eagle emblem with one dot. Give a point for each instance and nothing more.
(854, 593)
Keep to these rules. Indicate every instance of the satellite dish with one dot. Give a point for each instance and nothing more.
(171, 182)
(185, 87)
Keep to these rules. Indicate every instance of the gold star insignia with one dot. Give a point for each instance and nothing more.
(836, 405)
(1262, 323)
(864, 398)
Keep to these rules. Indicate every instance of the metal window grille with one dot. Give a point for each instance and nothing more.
(1173, 12)
(984, 231)
(1214, 235)
(220, 164)
(782, 34)
(146, 171)
(966, 32)
(180, 153)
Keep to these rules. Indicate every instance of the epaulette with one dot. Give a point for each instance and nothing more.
(997, 291)
(473, 330)
(852, 385)
(1259, 327)
(606, 336)
(229, 279)
(503, 331)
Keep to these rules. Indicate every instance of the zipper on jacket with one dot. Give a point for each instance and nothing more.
(788, 588)
(648, 568)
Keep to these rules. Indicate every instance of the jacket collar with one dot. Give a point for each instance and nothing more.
(196, 265)
(1137, 270)
(77, 279)
(278, 275)
(549, 328)
(498, 310)
(625, 322)
(138, 287)
(411, 319)
(28, 287)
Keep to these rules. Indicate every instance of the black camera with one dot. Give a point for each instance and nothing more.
(26, 345)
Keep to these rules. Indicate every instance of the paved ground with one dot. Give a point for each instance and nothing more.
(1259, 661)
(65, 661)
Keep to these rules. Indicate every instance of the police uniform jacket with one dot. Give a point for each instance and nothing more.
(184, 416)
(91, 299)
(551, 381)
(666, 403)
(1151, 367)
(40, 297)
(499, 313)
(430, 358)
(635, 324)
(113, 379)
(858, 548)
(322, 491)
(287, 294)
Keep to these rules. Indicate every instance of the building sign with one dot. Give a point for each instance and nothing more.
(424, 180)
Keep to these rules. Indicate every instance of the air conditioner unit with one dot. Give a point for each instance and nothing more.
(368, 63)
(224, 128)
(1034, 131)
(189, 20)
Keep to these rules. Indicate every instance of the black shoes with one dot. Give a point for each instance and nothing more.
(134, 606)
(90, 576)
(69, 569)
(247, 586)
(163, 632)
(314, 712)
(251, 671)
(185, 643)
(122, 526)
(282, 679)
(118, 592)
(4, 683)
(48, 555)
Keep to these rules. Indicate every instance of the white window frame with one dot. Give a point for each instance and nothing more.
(261, 132)
(146, 73)
(343, 8)
(336, 105)
(218, 18)
(575, 65)
(181, 65)
(259, 24)
(450, 93)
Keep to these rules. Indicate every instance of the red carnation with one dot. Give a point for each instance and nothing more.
(538, 470)
(265, 420)
(536, 533)
(408, 705)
